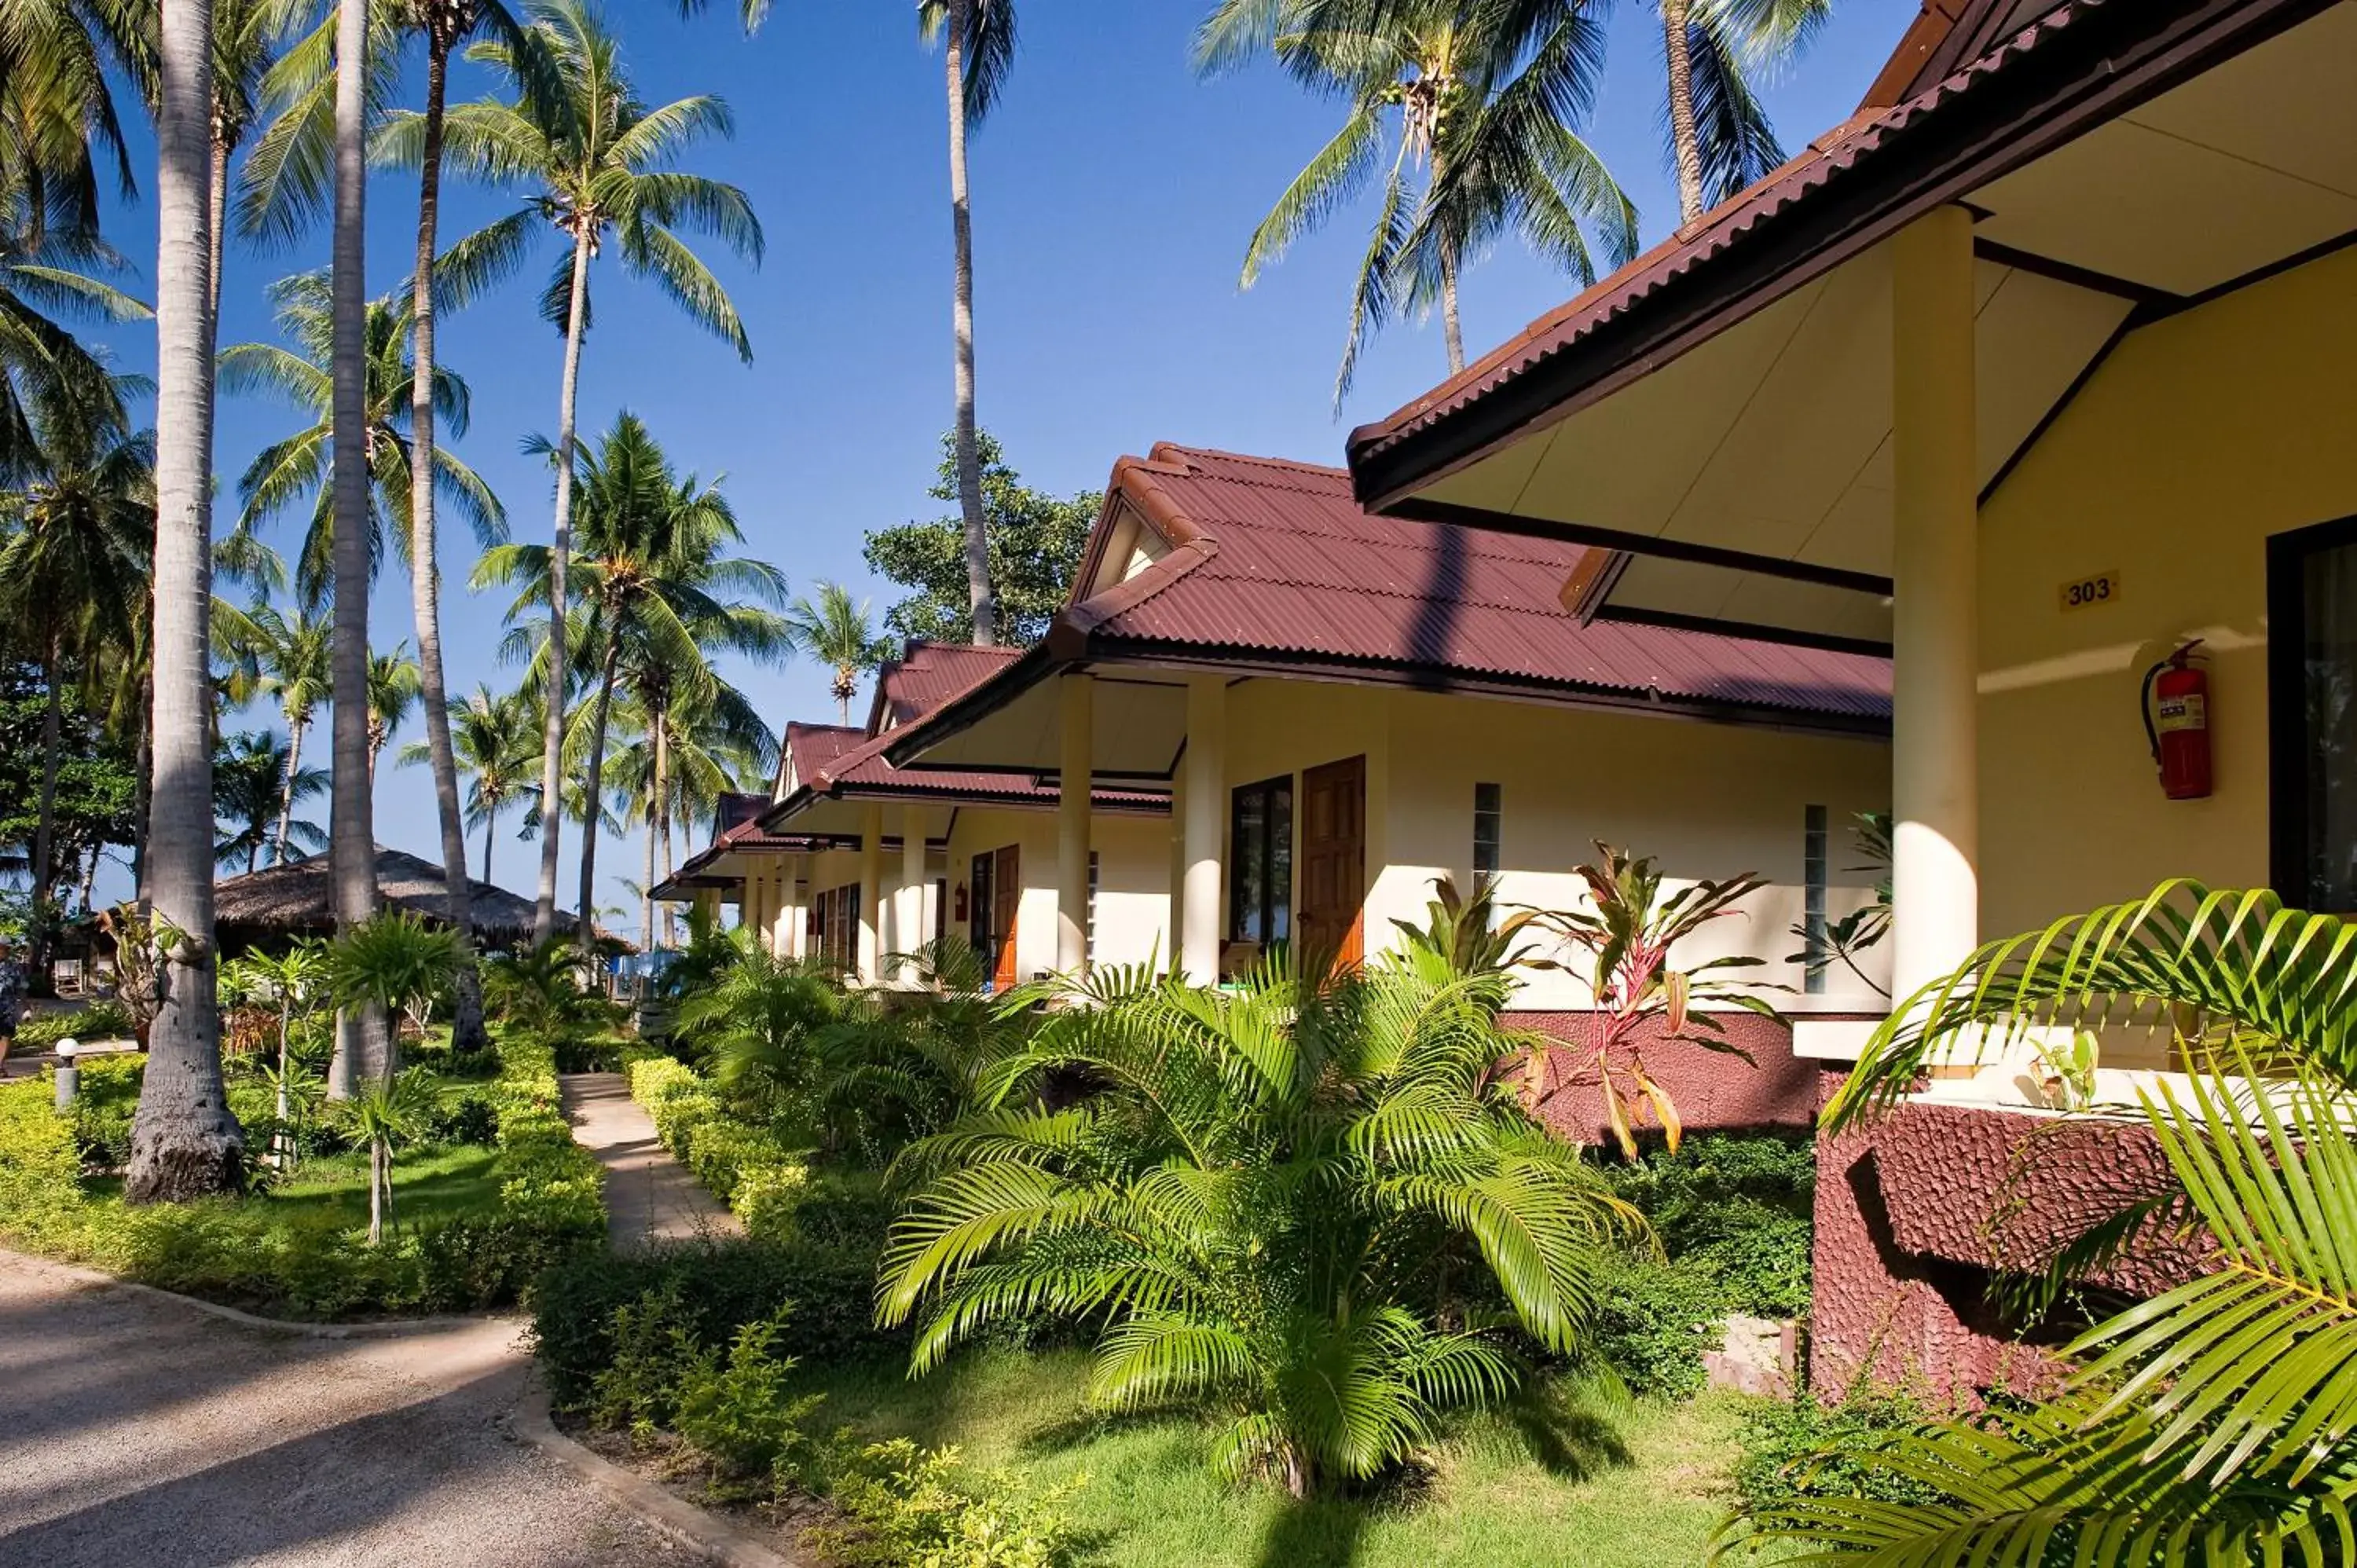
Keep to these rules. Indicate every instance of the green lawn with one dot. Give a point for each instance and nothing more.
(1640, 1487)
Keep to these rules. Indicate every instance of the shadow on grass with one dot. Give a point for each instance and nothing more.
(1316, 1532)
(1569, 1433)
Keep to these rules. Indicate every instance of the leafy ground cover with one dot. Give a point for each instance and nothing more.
(496, 1192)
(1640, 1486)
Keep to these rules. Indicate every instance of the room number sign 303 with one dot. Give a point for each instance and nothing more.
(2095, 588)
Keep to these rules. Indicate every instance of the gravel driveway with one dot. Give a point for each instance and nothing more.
(136, 1431)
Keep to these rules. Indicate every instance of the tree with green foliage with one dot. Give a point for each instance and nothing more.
(393, 694)
(251, 777)
(657, 595)
(1469, 113)
(599, 162)
(76, 547)
(835, 629)
(1274, 1201)
(977, 39)
(496, 740)
(92, 802)
(291, 657)
(296, 469)
(1035, 540)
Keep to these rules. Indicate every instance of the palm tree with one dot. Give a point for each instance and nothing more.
(597, 160)
(1236, 1209)
(48, 273)
(74, 566)
(2208, 1424)
(654, 593)
(1720, 140)
(837, 632)
(250, 782)
(393, 692)
(444, 25)
(184, 1141)
(1477, 103)
(977, 39)
(687, 750)
(496, 740)
(297, 467)
(247, 36)
(295, 665)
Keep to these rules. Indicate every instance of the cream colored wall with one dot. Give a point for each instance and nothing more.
(2199, 437)
(1133, 876)
(1706, 800)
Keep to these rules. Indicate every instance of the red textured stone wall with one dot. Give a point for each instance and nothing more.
(1714, 1091)
(1913, 1212)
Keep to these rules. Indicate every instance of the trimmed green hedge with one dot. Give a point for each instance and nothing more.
(294, 1259)
(746, 1165)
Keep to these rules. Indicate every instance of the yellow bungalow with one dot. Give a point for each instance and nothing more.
(1348, 707)
(850, 859)
(2035, 372)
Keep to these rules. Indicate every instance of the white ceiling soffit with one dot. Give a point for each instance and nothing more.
(1140, 721)
(1773, 437)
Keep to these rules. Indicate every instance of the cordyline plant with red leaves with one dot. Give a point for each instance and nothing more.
(1626, 933)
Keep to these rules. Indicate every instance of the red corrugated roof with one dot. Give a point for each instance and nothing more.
(814, 747)
(1862, 137)
(928, 674)
(1280, 558)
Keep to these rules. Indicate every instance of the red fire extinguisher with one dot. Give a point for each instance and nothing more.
(2176, 705)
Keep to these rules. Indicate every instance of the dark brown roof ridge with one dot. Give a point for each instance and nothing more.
(1724, 227)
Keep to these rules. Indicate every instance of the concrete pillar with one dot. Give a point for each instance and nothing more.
(757, 901)
(706, 903)
(871, 892)
(798, 895)
(786, 913)
(1936, 619)
(1177, 884)
(1207, 794)
(1077, 697)
(908, 908)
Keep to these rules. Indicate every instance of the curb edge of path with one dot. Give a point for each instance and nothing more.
(388, 1328)
(696, 1527)
(529, 1420)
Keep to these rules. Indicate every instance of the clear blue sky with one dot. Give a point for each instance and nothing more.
(1113, 194)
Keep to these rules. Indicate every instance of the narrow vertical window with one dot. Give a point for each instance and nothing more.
(1092, 947)
(1813, 880)
(1260, 868)
(1488, 830)
(2312, 722)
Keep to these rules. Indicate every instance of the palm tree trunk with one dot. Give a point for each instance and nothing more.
(647, 884)
(663, 805)
(491, 821)
(466, 1033)
(295, 729)
(1685, 144)
(143, 790)
(552, 762)
(45, 827)
(969, 455)
(217, 201)
(592, 792)
(363, 1046)
(184, 1142)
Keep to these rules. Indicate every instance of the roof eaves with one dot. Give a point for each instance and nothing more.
(2113, 54)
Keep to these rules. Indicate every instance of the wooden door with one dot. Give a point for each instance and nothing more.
(1005, 900)
(1328, 917)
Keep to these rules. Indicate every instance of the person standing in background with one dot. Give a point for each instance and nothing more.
(12, 996)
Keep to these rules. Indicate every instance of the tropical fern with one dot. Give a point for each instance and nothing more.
(1250, 1200)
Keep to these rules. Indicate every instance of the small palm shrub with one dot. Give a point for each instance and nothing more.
(896, 1067)
(758, 1021)
(1302, 1202)
(536, 993)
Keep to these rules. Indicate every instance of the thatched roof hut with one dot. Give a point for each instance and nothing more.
(267, 907)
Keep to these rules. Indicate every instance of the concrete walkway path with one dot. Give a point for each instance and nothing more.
(649, 1197)
(136, 1429)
